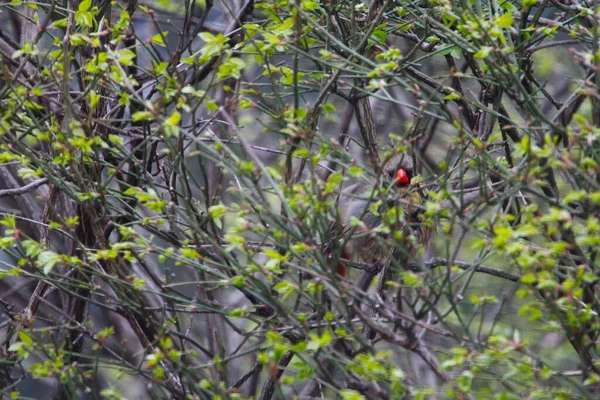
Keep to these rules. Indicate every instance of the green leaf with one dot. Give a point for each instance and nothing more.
(333, 182)
(452, 96)
(85, 5)
(529, 279)
(483, 52)
(217, 211)
(158, 39)
(309, 5)
(15, 347)
(275, 255)
(328, 108)
(356, 171)
(115, 139)
(349, 394)
(173, 119)
(125, 57)
(83, 18)
(25, 338)
(303, 153)
(212, 106)
(317, 342)
(505, 20)
(47, 260)
(142, 116)
(593, 378)
(285, 289)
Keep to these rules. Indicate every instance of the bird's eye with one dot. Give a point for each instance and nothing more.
(402, 178)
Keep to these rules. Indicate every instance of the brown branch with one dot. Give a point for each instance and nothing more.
(438, 262)
(254, 371)
(24, 189)
(366, 124)
(551, 44)
(411, 343)
(464, 108)
(509, 129)
(271, 383)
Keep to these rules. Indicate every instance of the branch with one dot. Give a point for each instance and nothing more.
(255, 370)
(270, 385)
(462, 104)
(24, 189)
(409, 342)
(438, 262)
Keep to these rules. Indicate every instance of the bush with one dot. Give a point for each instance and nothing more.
(178, 201)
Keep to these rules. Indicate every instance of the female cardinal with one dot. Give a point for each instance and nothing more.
(356, 201)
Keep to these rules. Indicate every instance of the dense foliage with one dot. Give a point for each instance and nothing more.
(171, 177)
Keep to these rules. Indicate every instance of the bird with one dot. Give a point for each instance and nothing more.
(355, 202)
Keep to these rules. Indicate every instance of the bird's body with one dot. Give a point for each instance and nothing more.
(366, 245)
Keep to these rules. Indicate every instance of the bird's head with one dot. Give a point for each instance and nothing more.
(399, 170)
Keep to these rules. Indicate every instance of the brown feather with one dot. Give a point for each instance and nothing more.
(365, 246)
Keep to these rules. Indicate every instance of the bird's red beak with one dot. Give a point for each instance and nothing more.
(402, 177)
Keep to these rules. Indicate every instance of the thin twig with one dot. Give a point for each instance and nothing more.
(438, 262)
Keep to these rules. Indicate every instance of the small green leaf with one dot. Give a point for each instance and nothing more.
(217, 211)
(48, 260)
(142, 116)
(158, 39)
(528, 279)
(505, 20)
(483, 52)
(25, 338)
(85, 5)
(452, 96)
(212, 106)
(349, 394)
